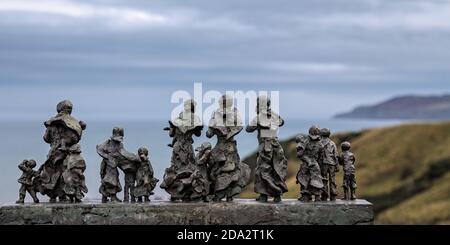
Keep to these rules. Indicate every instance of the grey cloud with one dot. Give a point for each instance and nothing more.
(361, 45)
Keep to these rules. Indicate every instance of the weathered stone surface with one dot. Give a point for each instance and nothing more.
(241, 212)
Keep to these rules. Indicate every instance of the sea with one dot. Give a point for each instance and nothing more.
(23, 140)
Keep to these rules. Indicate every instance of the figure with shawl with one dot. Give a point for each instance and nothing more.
(182, 179)
(271, 163)
(228, 174)
(63, 132)
(114, 156)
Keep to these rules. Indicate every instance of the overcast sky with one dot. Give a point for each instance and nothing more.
(123, 59)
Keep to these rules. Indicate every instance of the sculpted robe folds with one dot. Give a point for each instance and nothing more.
(63, 132)
(74, 167)
(114, 156)
(229, 176)
(271, 166)
(145, 182)
(310, 152)
(182, 179)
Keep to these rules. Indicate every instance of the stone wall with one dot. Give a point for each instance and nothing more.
(240, 212)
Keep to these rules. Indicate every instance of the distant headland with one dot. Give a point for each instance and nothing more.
(405, 107)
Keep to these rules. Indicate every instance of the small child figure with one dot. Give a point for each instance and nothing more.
(26, 180)
(203, 160)
(145, 182)
(347, 160)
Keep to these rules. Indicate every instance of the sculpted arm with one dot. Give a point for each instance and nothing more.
(252, 126)
(150, 168)
(321, 156)
(103, 169)
(336, 158)
(250, 129)
(198, 131)
(39, 171)
(210, 133)
(281, 121)
(101, 150)
(340, 160)
(47, 136)
(335, 154)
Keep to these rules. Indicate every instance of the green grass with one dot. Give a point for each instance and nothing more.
(404, 170)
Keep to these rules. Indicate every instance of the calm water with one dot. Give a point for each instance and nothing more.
(23, 140)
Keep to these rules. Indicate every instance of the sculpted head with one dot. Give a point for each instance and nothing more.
(226, 101)
(314, 132)
(189, 105)
(117, 134)
(31, 163)
(345, 146)
(143, 153)
(325, 132)
(64, 106)
(262, 103)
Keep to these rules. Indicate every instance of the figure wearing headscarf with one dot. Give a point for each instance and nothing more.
(310, 153)
(228, 174)
(179, 179)
(145, 182)
(129, 166)
(271, 163)
(114, 155)
(63, 132)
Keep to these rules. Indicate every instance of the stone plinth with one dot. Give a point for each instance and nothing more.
(240, 212)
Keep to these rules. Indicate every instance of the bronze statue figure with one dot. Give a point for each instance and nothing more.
(27, 180)
(329, 165)
(145, 182)
(182, 180)
(271, 165)
(63, 134)
(228, 174)
(74, 181)
(310, 152)
(114, 156)
(347, 160)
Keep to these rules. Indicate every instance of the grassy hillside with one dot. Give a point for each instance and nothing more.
(404, 170)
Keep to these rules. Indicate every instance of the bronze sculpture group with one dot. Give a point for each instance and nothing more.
(213, 174)
(139, 180)
(61, 176)
(182, 180)
(320, 162)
